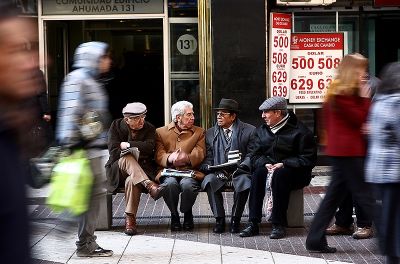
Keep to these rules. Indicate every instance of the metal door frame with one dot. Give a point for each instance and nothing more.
(166, 53)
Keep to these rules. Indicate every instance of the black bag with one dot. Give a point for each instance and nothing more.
(41, 167)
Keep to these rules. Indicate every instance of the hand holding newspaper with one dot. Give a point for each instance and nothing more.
(133, 150)
(234, 157)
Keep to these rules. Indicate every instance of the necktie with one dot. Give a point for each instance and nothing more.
(227, 137)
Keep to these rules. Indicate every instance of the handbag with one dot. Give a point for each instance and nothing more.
(71, 184)
(41, 167)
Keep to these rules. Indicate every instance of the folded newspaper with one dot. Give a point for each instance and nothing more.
(178, 173)
(133, 150)
(234, 157)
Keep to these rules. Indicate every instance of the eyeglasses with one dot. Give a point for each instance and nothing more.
(223, 114)
(137, 118)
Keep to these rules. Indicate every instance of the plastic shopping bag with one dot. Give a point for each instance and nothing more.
(71, 184)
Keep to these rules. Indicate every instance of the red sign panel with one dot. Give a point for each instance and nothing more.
(387, 3)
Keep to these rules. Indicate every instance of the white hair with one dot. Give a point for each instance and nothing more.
(179, 109)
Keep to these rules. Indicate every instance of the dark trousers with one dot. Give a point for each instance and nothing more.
(217, 202)
(387, 219)
(283, 182)
(344, 216)
(347, 174)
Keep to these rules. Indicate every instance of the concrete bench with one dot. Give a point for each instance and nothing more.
(295, 213)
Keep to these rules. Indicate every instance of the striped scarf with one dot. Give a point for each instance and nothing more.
(275, 128)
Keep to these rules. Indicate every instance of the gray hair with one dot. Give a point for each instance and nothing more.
(179, 108)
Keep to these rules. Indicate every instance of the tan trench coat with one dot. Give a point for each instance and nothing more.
(192, 141)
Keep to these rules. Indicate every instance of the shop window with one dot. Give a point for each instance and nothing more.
(182, 8)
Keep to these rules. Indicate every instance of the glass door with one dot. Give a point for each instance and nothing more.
(184, 63)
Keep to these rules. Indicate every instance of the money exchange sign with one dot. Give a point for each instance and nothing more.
(314, 58)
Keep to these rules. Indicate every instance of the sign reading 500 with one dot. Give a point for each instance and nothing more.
(314, 58)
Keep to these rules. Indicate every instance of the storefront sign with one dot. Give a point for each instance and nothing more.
(101, 7)
(314, 58)
(279, 58)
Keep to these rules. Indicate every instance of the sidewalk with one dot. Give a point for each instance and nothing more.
(155, 243)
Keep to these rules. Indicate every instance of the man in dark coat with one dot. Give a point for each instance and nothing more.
(285, 150)
(129, 132)
(228, 134)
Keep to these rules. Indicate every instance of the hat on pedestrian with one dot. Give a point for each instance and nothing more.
(229, 105)
(274, 103)
(134, 109)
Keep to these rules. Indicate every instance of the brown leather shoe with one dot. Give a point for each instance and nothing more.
(334, 230)
(130, 225)
(363, 233)
(154, 190)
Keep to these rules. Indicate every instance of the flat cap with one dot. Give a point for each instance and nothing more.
(274, 103)
(134, 109)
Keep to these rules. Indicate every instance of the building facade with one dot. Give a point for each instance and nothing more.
(200, 51)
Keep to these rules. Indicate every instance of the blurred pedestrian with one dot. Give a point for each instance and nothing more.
(180, 145)
(345, 112)
(344, 222)
(383, 161)
(132, 131)
(18, 83)
(83, 120)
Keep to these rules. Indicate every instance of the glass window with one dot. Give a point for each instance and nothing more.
(27, 7)
(182, 8)
(326, 22)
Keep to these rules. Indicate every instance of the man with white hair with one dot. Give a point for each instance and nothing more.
(180, 145)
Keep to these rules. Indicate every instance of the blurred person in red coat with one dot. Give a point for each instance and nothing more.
(18, 83)
(345, 113)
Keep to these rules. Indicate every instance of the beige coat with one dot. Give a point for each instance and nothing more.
(191, 141)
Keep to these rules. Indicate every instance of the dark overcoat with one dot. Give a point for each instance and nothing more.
(144, 140)
(293, 145)
(245, 143)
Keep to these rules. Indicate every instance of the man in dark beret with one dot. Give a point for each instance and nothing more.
(228, 135)
(286, 151)
(132, 131)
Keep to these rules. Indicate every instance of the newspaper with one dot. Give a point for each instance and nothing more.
(133, 150)
(178, 173)
(234, 158)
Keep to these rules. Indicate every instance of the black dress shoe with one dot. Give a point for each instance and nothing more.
(235, 225)
(175, 223)
(277, 232)
(219, 225)
(251, 230)
(323, 249)
(188, 224)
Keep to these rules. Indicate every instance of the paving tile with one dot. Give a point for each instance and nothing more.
(153, 225)
(233, 255)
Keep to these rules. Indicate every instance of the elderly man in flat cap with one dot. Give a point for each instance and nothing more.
(229, 134)
(129, 132)
(180, 145)
(285, 150)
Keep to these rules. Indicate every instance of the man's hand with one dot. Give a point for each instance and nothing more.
(125, 145)
(272, 167)
(179, 158)
(46, 118)
(182, 159)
